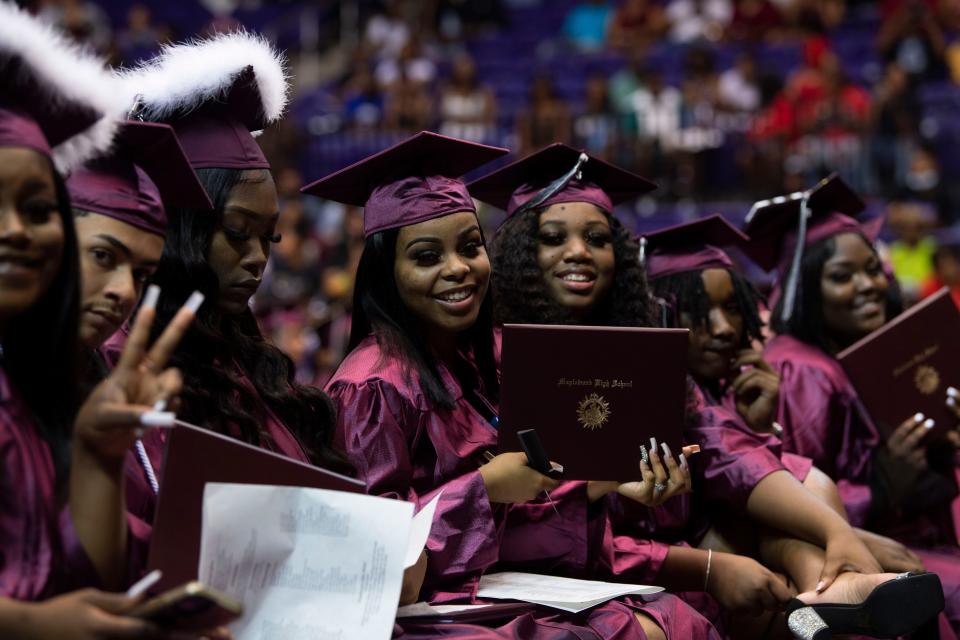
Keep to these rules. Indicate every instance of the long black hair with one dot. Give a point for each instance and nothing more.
(687, 295)
(379, 310)
(807, 322)
(521, 295)
(40, 346)
(214, 396)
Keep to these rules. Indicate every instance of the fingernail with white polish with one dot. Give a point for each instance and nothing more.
(194, 301)
(683, 461)
(951, 401)
(666, 449)
(160, 405)
(151, 296)
(918, 418)
(653, 445)
(952, 392)
(144, 583)
(158, 419)
(929, 424)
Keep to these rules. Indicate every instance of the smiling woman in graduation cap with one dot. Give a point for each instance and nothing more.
(54, 104)
(831, 291)
(417, 398)
(557, 249)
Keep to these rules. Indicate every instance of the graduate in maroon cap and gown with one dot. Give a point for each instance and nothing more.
(51, 106)
(710, 296)
(417, 402)
(118, 204)
(831, 292)
(215, 94)
(562, 258)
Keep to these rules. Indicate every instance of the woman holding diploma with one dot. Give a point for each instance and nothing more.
(52, 105)
(840, 294)
(711, 297)
(417, 399)
(560, 258)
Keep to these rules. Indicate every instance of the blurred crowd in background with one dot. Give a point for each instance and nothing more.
(721, 102)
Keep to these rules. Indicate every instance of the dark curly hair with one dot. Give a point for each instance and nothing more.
(807, 322)
(379, 310)
(686, 295)
(214, 396)
(521, 295)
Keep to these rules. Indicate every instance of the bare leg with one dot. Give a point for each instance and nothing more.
(821, 485)
(892, 555)
(800, 560)
(650, 628)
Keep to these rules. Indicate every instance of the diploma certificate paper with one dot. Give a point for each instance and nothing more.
(566, 594)
(307, 563)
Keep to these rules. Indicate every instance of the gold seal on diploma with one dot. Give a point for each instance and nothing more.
(927, 379)
(593, 412)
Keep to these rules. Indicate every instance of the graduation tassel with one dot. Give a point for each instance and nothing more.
(557, 185)
(793, 277)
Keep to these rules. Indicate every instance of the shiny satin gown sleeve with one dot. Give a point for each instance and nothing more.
(378, 429)
(822, 420)
(28, 551)
(733, 458)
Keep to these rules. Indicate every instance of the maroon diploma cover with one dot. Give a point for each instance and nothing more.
(906, 365)
(194, 457)
(593, 394)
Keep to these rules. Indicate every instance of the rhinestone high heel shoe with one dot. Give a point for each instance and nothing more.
(892, 609)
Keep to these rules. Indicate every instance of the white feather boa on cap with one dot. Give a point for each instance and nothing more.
(184, 76)
(66, 73)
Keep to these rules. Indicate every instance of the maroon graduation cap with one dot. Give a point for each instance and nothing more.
(52, 93)
(412, 181)
(146, 170)
(776, 225)
(215, 93)
(692, 246)
(555, 174)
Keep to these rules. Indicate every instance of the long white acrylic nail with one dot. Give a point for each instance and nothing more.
(653, 446)
(666, 449)
(918, 418)
(683, 461)
(158, 419)
(160, 405)
(951, 401)
(194, 301)
(952, 392)
(929, 424)
(151, 296)
(144, 583)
